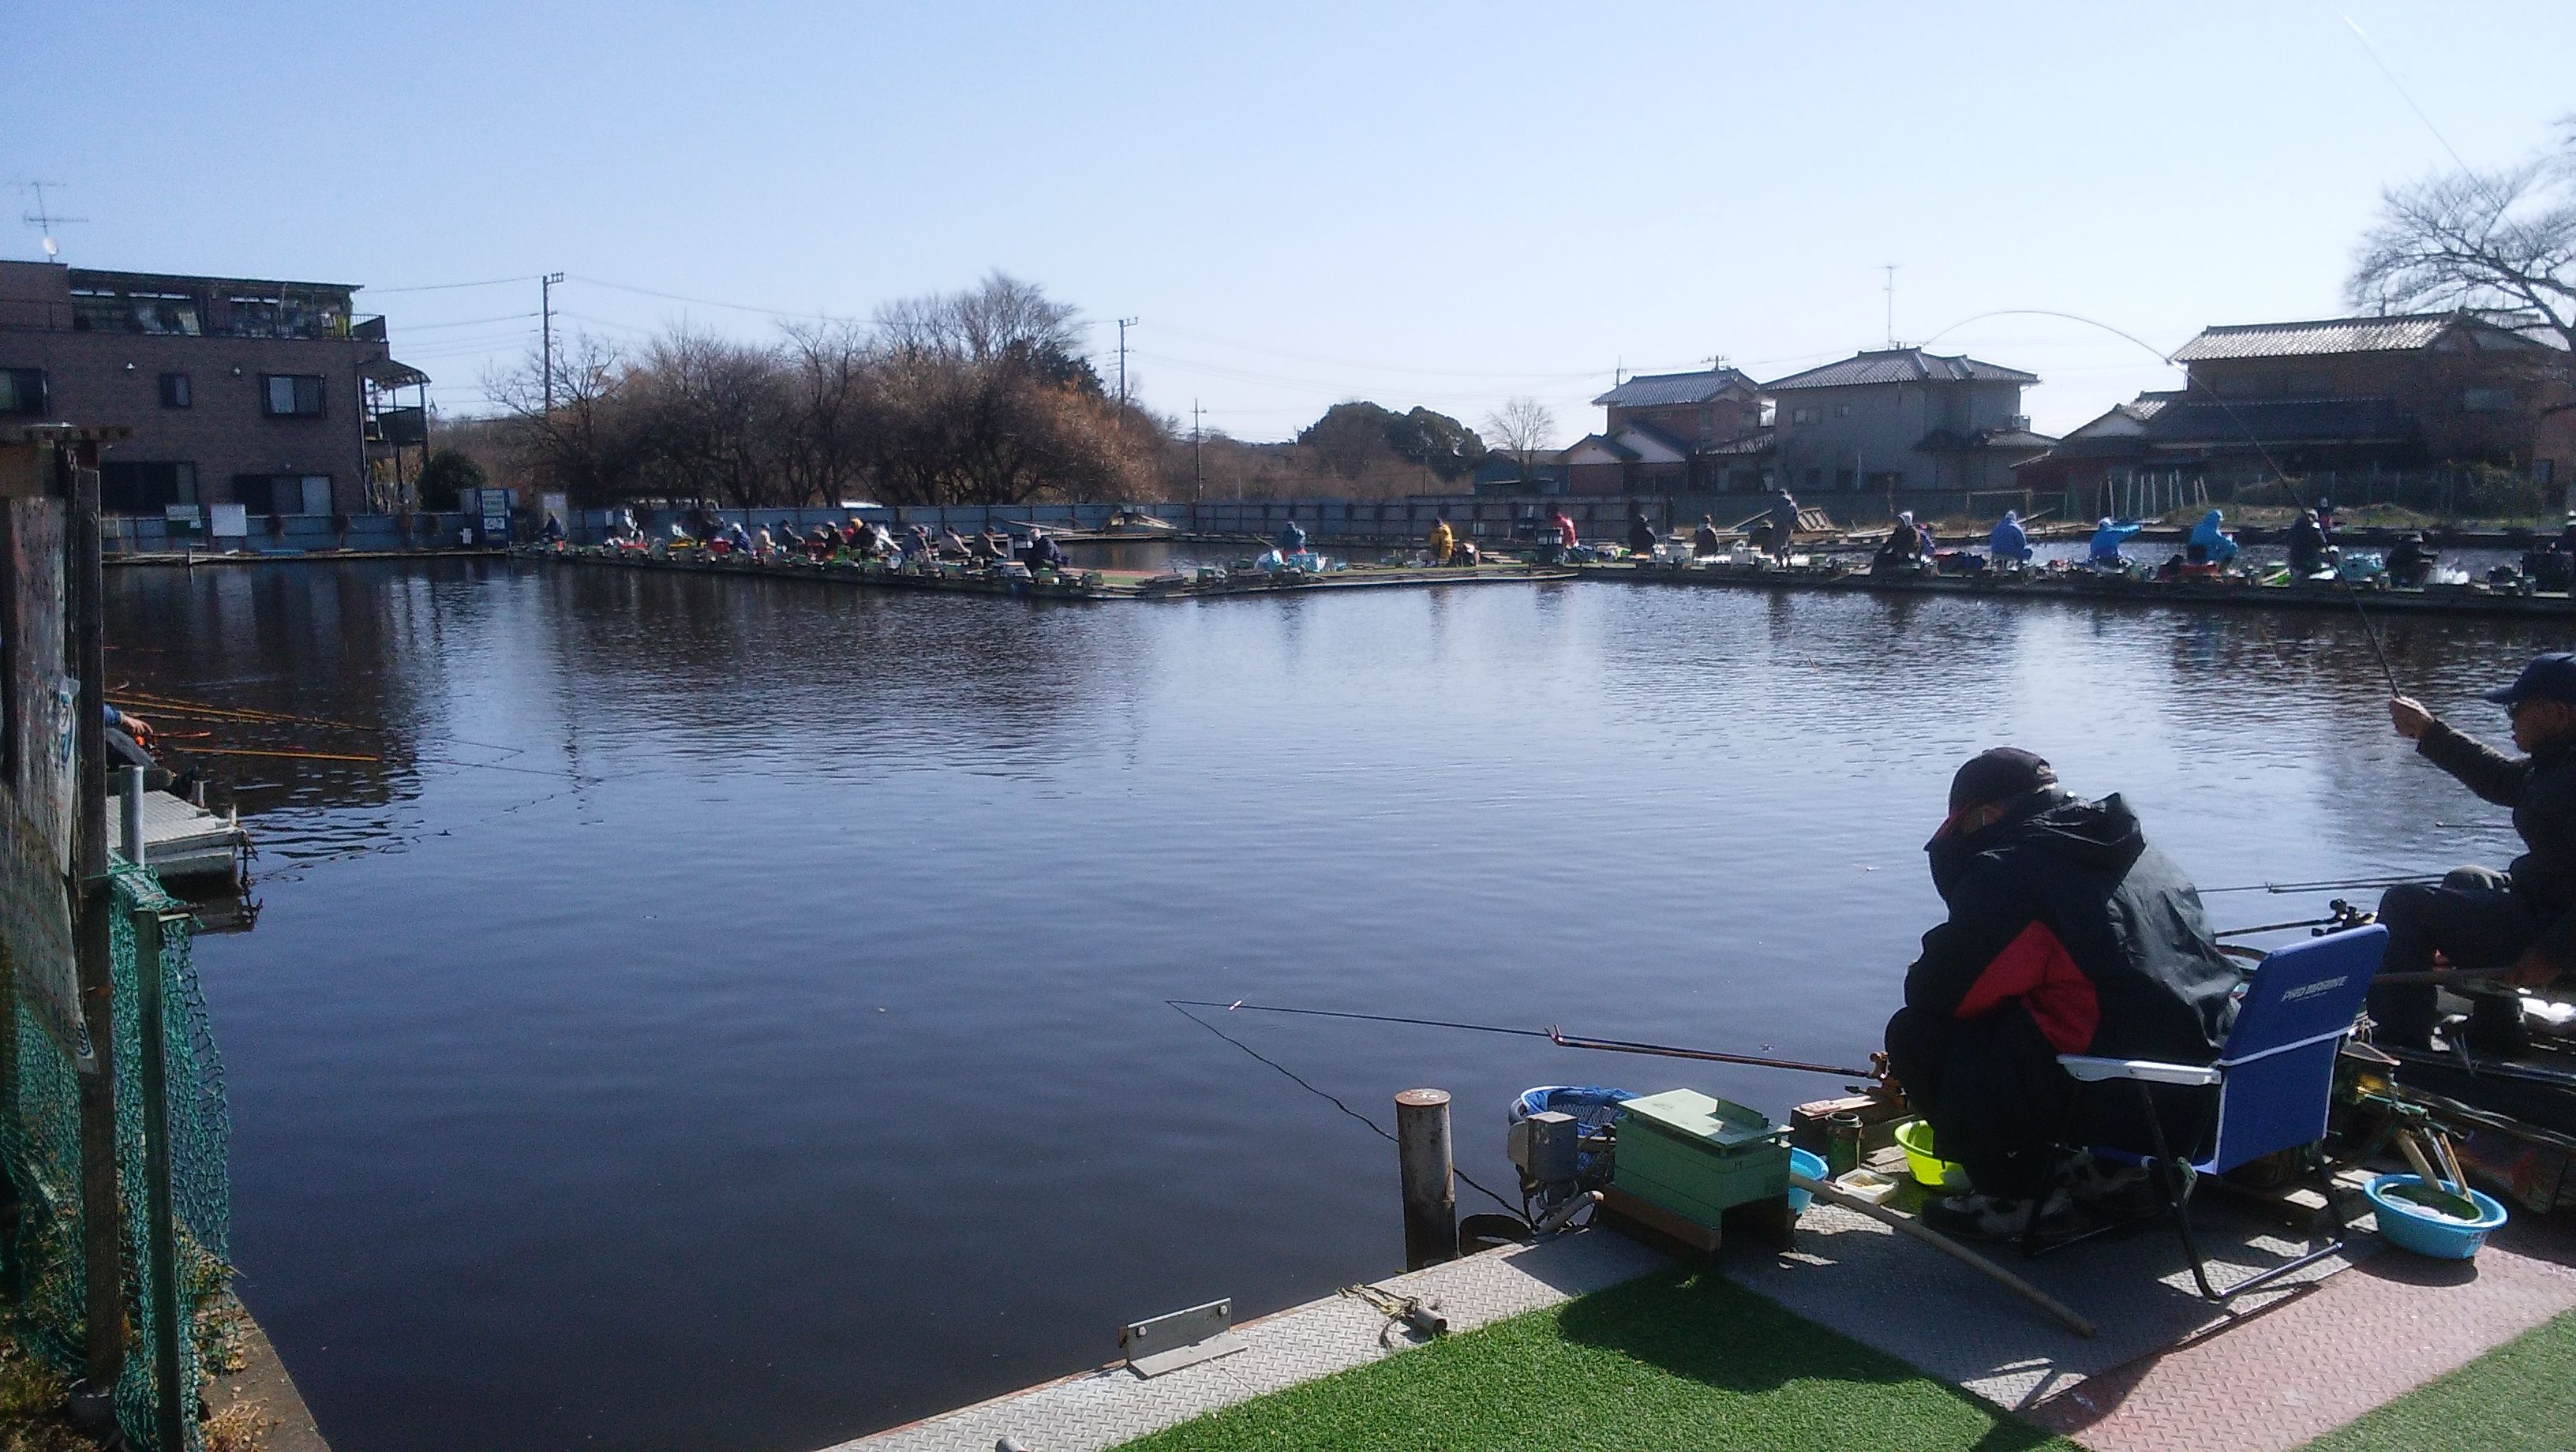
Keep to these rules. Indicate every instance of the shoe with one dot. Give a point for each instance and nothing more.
(1977, 1216)
(2113, 1189)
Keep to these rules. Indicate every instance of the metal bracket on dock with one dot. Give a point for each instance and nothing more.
(1183, 1338)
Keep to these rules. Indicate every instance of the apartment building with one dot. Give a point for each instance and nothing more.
(278, 396)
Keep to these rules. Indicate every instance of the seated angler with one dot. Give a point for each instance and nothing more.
(1291, 539)
(1044, 553)
(2067, 934)
(2216, 545)
(952, 545)
(2108, 536)
(2307, 544)
(1704, 540)
(2010, 543)
(1903, 547)
(1641, 535)
(1442, 541)
(2523, 917)
(2411, 563)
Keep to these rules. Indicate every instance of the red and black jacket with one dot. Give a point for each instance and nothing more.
(2062, 907)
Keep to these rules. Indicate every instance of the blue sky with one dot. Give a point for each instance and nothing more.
(1438, 204)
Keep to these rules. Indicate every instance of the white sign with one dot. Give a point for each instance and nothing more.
(230, 521)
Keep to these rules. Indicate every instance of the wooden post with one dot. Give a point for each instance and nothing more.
(1427, 1171)
(102, 1225)
(161, 1229)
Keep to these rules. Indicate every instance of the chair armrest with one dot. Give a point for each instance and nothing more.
(2093, 1071)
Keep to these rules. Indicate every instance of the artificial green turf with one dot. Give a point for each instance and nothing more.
(2522, 1395)
(1690, 1363)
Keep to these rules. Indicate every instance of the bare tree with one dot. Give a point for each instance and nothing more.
(1523, 428)
(2501, 241)
(827, 406)
(716, 418)
(588, 443)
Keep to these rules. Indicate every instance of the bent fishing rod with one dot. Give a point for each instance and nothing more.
(1552, 1034)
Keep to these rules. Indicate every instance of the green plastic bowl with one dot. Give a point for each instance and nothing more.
(1930, 1171)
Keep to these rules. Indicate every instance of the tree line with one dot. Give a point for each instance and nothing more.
(974, 397)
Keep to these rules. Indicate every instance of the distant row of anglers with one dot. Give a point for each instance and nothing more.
(852, 539)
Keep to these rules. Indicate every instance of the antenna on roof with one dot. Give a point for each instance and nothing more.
(1890, 269)
(43, 219)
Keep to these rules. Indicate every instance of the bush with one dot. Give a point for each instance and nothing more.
(444, 477)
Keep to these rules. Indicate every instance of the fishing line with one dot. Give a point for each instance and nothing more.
(2369, 629)
(1177, 1006)
(1557, 1037)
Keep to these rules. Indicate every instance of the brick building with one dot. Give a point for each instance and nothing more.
(2336, 396)
(277, 396)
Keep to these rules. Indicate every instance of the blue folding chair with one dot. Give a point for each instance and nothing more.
(2274, 1081)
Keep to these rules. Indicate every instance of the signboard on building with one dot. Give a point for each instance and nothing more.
(229, 521)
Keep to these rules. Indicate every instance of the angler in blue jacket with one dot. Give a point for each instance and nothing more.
(2067, 934)
(2212, 537)
(2108, 536)
(2009, 542)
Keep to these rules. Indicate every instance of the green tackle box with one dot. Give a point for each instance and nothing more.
(1697, 1156)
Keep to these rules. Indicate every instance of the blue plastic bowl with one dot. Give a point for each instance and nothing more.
(2413, 1228)
(1812, 1166)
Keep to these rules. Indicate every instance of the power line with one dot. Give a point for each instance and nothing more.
(450, 286)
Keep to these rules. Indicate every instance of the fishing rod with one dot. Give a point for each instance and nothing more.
(2403, 880)
(1553, 1035)
(2369, 629)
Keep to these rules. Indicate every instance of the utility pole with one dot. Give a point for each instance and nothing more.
(1198, 463)
(1123, 325)
(1890, 268)
(546, 307)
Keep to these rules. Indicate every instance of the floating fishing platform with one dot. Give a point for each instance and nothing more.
(1084, 584)
(184, 842)
(2080, 584)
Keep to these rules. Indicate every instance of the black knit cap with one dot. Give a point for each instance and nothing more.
(2001, 774)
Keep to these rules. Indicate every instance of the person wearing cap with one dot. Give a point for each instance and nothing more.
(1704, 540)
(1784, 525)
(2067, 934)
(2411, 563)
(2307, 543)
(1641, 534)
(2523, 917)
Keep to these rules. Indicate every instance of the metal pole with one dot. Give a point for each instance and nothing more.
(1430, 1193)
(161, 1233)
(132, 801)
(102, 1228)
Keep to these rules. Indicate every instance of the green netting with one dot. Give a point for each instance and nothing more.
(40, 1147)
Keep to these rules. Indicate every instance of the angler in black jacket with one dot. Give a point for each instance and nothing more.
(2524, 916)
(2067, 934)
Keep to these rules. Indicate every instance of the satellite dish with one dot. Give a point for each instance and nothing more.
(52, 249)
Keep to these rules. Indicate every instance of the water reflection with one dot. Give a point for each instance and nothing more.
(729, 1013)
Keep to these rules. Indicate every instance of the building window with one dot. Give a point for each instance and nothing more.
(285, 395)
(1842, 410)
(22, 392)
(1806, 415)
(130, 488)
(2487, 400)
(176, 391)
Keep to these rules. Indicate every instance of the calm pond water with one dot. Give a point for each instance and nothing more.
(729, 1013)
